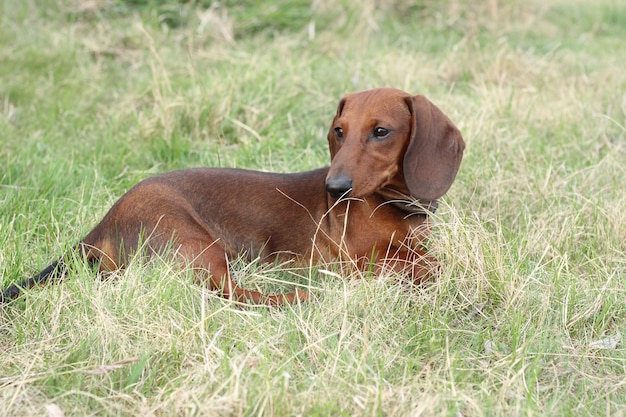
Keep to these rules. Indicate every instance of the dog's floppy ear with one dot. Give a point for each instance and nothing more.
(434, 153)
(332, 142)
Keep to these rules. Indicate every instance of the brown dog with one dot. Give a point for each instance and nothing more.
(393, 156)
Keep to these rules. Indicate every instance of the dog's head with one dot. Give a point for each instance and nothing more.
(388, 138)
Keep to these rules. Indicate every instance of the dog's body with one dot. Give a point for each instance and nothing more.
(393, 155)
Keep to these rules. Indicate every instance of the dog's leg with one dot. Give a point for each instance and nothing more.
(422, 266)
(210, 264)
(415, 264)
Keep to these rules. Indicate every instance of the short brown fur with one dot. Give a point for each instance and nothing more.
(364, 208)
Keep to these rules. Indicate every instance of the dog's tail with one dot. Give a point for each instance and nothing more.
(54, 271)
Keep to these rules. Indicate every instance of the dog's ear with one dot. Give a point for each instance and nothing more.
(434, 153)
(333, 146)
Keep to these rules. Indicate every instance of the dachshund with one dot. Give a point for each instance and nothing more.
(393, 155)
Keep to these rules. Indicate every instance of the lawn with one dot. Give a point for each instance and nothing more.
(528, 316)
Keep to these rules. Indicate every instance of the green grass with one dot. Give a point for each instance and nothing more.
(95, 96)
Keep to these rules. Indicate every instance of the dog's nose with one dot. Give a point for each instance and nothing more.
(339, 186)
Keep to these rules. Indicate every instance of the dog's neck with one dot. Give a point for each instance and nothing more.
(407, 203)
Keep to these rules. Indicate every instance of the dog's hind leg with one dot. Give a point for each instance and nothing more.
(210, 265)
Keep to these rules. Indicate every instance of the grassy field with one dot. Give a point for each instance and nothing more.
(529, 315)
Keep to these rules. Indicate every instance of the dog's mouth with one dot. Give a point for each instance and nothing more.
(339, 195)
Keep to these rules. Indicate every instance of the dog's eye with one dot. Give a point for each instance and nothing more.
(339, 132)
(381, 132)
